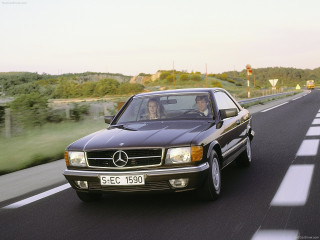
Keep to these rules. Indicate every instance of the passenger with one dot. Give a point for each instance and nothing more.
(155, 110)
(203, 105)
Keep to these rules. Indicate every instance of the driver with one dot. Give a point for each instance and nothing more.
(203, 104)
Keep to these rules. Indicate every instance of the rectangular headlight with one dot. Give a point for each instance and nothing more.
(184, 154)
(77, 159)
(178, 155)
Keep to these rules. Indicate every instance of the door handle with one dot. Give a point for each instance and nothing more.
(238, 122)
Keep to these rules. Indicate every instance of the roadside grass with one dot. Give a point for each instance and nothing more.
(42, 145)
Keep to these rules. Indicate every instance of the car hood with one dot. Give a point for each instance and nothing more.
(151, 134)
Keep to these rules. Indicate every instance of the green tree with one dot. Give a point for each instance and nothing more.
(66, 89)
(127, 87)
(30, 110)
(87, 89)
(106, 86)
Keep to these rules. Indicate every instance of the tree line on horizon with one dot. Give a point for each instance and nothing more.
(92, 84)
(67, 85)
(288, 77)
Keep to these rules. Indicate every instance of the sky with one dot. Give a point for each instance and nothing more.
(144, 36)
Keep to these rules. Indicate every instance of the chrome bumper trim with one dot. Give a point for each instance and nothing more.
(156, 172)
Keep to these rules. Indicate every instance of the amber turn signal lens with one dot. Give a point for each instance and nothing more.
(196, 153)
(66, 157)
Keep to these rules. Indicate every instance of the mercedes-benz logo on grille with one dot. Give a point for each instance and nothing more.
(120, 158)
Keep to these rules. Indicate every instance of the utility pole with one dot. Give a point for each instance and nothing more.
(249, 72)
(174, 81)
(249, 87)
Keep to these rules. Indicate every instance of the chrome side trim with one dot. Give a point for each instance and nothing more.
(156, 172)
(234, 127)
(234, 147)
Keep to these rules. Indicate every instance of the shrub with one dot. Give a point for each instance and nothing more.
(184, 77)
(2, 111)
(78, 111)
(196, 77)
(127, 87)
(169, 78)
(164, 75)
(216, 83)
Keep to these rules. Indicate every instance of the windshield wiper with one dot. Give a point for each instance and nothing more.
(121, 126)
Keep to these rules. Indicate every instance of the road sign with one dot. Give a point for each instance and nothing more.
(273, 82)
(249, 70)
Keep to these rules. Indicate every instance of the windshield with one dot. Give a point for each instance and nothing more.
(171, 106)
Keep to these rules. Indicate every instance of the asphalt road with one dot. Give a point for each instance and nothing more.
(276, 198)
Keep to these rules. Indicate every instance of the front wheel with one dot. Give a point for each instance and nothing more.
(244, 160)
(89, 197)
(212, 186)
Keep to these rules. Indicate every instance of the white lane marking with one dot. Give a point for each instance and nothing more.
(297, 98)
(294, 188)
(318, 115)
(316, 121)
(38, 197)
(275, 235)
(313, 131)
(308, 147)
(268, 109)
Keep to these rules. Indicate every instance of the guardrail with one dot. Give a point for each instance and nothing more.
(258, 99)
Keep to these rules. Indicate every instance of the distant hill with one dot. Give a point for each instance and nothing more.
(95, 84)
(15, 83)
(289, 77)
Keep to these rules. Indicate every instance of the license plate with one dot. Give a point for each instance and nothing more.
(122, 180)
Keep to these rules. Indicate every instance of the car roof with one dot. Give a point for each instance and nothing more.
(186, 90)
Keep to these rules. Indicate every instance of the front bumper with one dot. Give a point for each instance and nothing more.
(155, 180)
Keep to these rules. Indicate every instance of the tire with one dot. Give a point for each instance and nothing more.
(212, 186)
(89, 197)
(244, 160)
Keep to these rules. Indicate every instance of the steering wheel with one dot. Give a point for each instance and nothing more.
(193, 111)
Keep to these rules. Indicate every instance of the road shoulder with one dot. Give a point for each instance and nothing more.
(31, 179)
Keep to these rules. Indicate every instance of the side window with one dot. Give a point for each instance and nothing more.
(224, 101)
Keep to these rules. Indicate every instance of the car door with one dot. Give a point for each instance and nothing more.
(233, 135)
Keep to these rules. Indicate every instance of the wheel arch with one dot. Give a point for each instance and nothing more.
(216, 147)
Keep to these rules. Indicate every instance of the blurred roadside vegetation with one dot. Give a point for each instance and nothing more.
(43, 144)
(40, 131)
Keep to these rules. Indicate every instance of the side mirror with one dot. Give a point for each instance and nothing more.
(108, 119)
(227, 113)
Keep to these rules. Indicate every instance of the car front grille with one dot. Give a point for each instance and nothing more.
(136, 158)
(151, 186)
